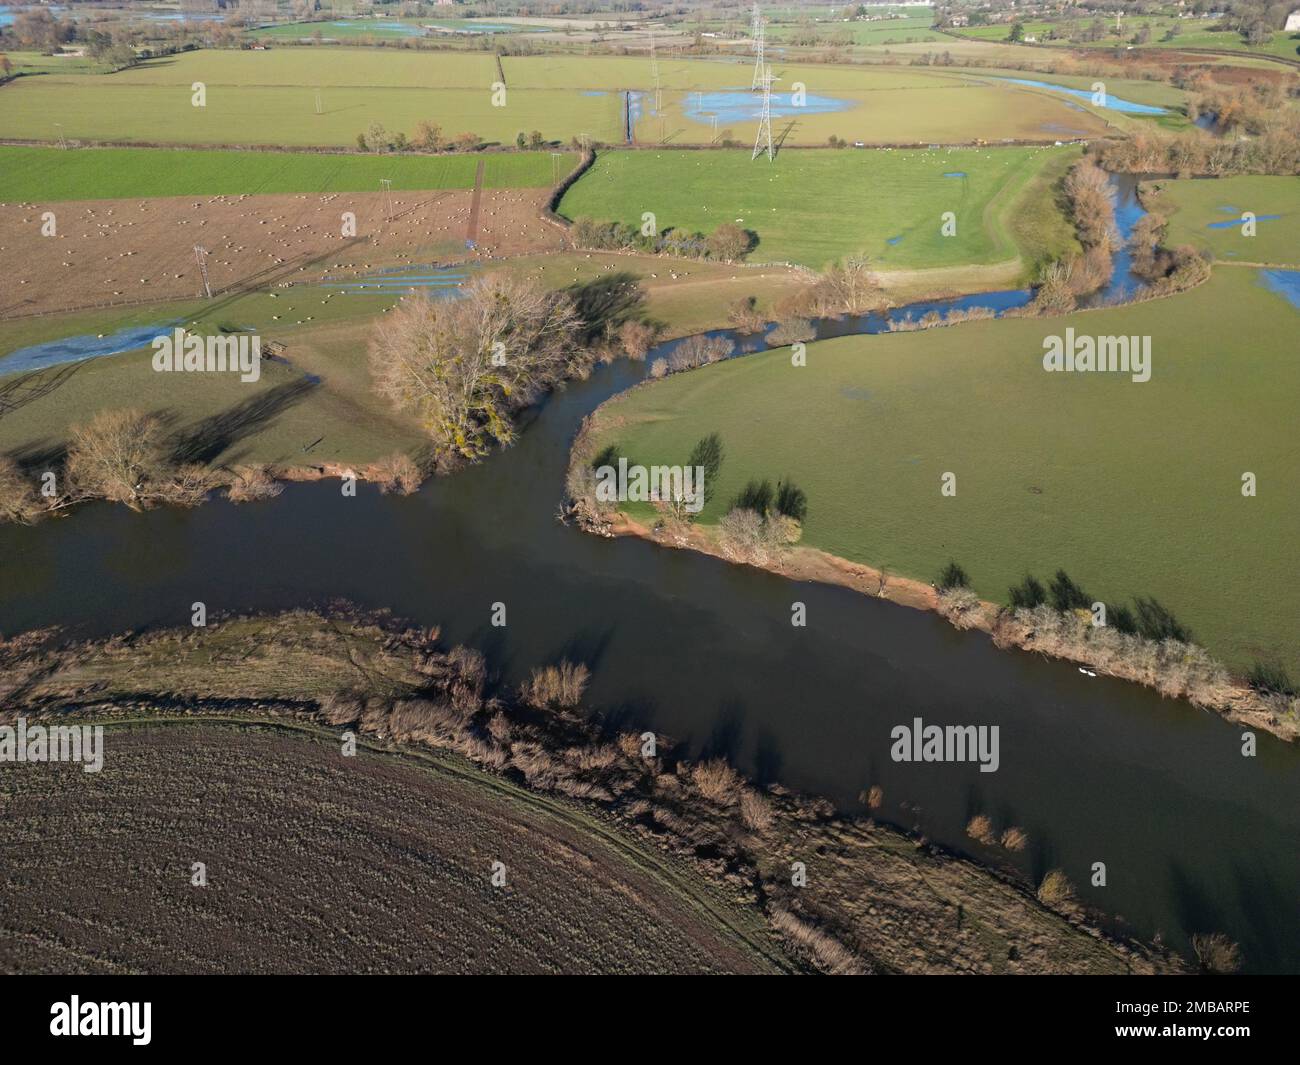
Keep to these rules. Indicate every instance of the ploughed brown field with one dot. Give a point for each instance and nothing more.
(319, 863)
(141, 250)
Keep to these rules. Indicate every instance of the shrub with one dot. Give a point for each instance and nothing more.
(18, 499)
(1055, 890)
(560, 685)
(980, 829)
(1216, 953)
(755, 810)
(1014, 839)
(745, 316)
(698, 350)
(960, 606)
(791, 331)
(637, 338)
(729, 242)
(397, 473)
(252, 483)
(717, 781)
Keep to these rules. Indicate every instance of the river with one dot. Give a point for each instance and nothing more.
(1194, 836)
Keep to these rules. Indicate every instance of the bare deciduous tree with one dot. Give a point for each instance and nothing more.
(18, 499)
(464, 366)
(118, 455)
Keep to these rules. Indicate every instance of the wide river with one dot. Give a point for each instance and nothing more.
(1194, 836)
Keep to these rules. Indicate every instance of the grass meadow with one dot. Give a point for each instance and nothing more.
(1190, 33)
(49, 174)
(269, 98)
(814, 207)
(1197, 210)
(1134, 489)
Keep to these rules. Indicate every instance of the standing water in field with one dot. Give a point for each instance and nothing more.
(1114, 103)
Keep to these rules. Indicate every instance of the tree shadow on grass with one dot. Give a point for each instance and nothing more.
(207, 439)
(29, 387)
(607, 302)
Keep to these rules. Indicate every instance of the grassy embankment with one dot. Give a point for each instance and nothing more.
(1134, 489)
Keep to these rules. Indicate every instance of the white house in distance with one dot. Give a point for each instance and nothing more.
(1292, 22)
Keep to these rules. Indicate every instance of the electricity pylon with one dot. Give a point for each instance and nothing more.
(763, 142)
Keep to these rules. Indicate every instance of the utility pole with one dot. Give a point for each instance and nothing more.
(201, 257)
(387, 185)
(319, 109)
(59, 126)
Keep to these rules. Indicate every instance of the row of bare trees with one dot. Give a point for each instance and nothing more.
(126, 456)
(119, 455)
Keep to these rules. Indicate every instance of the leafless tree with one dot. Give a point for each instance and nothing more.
(464, 366)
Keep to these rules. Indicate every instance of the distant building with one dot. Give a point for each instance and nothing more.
(1292, 22)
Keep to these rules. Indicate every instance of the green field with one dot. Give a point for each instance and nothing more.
(270, 97)
(814, 207)
(887, 31)
(1191, 33)
(1135, 489)
(48, 174)
(1192, 206)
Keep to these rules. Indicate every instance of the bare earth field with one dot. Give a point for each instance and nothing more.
(135, 250)
(318, 863)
